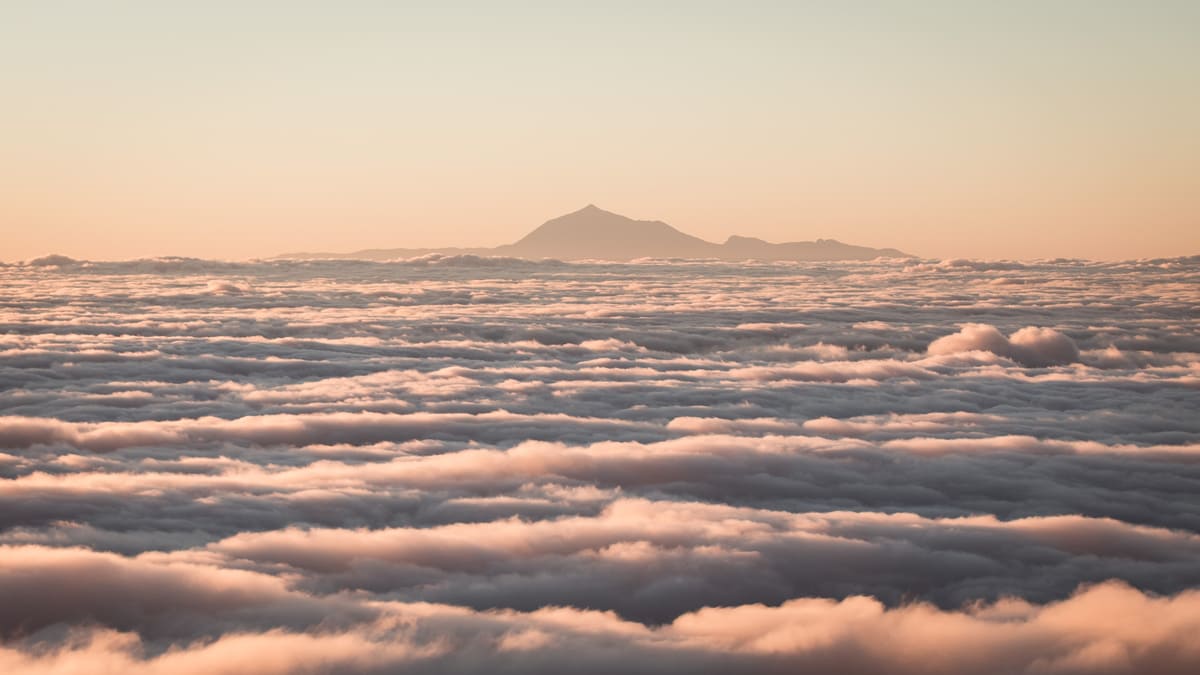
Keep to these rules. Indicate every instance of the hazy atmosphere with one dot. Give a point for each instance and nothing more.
(246, 129)
(364, 338)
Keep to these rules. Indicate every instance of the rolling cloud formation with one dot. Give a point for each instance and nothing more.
(463, 464)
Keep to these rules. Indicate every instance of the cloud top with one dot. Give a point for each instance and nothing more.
(1031, 346)
(459, 464)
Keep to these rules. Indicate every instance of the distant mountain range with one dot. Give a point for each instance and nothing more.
(593, 233)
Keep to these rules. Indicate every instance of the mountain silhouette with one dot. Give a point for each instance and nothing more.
(593, 233)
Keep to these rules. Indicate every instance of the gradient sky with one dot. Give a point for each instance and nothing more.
(241, 129)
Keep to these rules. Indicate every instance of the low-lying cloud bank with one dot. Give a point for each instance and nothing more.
(1108, 628)
(460, 464)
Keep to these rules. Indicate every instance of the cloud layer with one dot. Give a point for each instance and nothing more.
(466, 464)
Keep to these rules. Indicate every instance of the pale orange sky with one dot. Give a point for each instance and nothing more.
(247, 129)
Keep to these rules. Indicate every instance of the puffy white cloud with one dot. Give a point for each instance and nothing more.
(1030, 346)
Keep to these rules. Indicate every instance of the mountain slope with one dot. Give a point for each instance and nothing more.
(742, 248)
(592, 232)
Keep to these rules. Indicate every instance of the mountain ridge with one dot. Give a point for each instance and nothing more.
(593, 233)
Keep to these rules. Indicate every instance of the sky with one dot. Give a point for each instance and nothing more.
(947, 129)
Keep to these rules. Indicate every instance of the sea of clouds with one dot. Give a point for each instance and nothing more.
(462, 464)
